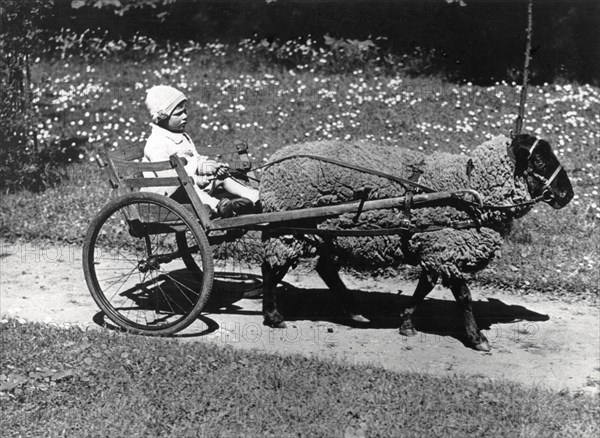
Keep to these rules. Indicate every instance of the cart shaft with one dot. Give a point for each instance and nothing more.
(327, 211)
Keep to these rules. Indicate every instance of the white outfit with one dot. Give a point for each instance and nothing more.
(163, 143)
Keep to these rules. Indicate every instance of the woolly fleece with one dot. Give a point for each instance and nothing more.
(303, 182)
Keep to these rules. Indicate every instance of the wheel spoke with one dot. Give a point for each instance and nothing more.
(236, 260)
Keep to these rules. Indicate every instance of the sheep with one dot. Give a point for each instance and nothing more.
(505, 173)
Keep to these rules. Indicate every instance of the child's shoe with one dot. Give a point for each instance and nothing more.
(225, 208)
(233, 207)
(242, 206)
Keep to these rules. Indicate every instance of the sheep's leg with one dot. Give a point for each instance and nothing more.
(461, 293)
(328, 269)
(425, 285)
(271, 277)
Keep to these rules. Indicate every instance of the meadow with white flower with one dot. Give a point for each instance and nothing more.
(245, 92)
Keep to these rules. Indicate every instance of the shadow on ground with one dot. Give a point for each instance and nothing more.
(435, 316)
(441, 317)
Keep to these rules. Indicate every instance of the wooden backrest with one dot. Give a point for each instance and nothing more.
(125, 174)
(127, 162)
(125, 169)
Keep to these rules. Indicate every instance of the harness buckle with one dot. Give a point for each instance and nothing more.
(408, 203)
(547, 195)
(363, 198)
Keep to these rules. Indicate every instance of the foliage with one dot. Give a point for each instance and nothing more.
(332, 55)
(481, 43)
(25, 168)
(27, 161)
(20, 35)
(342, 55)
(201, 389)
(121, 7)
(95, 44)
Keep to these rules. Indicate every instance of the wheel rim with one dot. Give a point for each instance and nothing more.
(141, 278)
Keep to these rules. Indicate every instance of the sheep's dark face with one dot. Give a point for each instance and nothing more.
(535, 161)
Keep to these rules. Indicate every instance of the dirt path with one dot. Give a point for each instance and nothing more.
(534, 340)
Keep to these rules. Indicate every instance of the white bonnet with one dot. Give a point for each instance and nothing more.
(161, 100)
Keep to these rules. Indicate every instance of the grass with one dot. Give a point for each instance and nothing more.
(236, 95)
(69, 382)
(555, 253)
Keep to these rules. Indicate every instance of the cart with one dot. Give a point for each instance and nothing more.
(151, 263)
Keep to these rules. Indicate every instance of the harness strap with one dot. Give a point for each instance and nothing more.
(533, 146)
(408, 203)
(549, 181)
(403, 181)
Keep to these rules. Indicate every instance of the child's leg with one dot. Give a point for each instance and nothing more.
(237, 188)
(207, 199)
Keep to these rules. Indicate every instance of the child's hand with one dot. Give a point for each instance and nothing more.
(213, 168)
(207, 167)
(222, 171)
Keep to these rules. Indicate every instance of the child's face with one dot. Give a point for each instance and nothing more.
(178, 119)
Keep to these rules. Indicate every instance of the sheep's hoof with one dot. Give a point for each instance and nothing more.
(275, 324)
(482, 346)
(408, 331)
(359, 319)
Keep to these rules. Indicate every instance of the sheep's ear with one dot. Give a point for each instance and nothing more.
(521, 161)
(470, 167)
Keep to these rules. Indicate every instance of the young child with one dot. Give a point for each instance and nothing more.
(167, 107)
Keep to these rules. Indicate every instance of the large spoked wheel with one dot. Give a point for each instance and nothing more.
(135, 269)
(237, 257)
